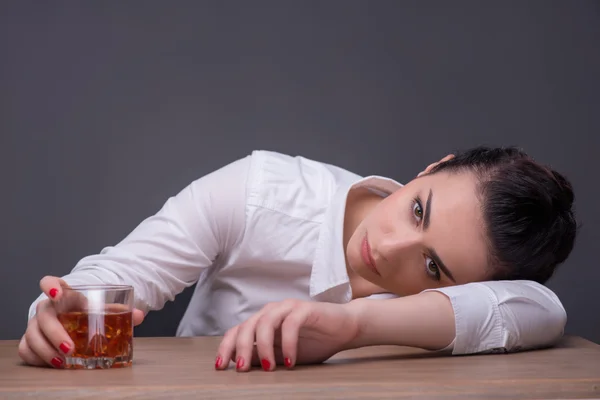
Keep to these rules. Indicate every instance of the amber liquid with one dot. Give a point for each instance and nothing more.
(102, 340)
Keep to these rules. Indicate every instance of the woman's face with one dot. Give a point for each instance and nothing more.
(427, 234)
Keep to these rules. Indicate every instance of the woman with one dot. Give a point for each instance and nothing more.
(296, 260)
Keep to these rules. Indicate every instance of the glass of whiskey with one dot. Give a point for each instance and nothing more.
(99, 320)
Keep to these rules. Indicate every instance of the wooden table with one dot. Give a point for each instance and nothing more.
(177, 368)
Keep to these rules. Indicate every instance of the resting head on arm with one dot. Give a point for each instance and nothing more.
(528, 212)
(466, 246)
(488, 214)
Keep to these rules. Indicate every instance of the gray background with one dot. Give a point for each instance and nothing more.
(108, 108)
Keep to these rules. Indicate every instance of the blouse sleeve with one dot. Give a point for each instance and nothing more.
(168, 251)
(504, 316)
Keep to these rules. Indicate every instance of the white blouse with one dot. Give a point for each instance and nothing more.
(268, 227)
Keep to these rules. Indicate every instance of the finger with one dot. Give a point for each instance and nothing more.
(41, 347)
(279, 359)
(27, 355)
(236, 350)
(245, 337)
(276, 348)
(266, 326)
(290, 329)
(138, 317)
(244, 344)
(58, 291)
(226, 351)
(54, 331)
(53, 286)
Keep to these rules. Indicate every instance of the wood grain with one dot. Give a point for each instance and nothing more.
(184, 368)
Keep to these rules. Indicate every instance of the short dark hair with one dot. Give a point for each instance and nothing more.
(527, 209)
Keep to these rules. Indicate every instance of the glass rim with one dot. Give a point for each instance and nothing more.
(100, 287)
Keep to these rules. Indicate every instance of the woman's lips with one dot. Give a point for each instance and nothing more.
(366, 256)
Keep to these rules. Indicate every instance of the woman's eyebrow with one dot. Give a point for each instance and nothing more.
(427, 211)
(434, 255)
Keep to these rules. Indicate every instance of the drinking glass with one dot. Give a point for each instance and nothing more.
(99, 320)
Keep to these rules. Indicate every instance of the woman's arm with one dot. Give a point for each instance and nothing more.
(478, 317)
(472, 318)
(167, 252)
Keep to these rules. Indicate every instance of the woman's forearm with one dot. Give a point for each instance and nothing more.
(425, 320)
(480, 317)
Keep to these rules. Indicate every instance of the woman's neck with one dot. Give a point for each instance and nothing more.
(359, 204)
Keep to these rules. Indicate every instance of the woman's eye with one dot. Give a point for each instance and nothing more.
(432, 269)
(418, 210)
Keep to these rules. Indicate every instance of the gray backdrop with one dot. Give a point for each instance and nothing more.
(108, 108)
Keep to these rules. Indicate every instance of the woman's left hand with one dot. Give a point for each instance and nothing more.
(289, 332)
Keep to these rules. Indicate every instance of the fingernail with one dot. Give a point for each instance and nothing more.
(64, 347)
(218, 362)
(240, 363)
(287, 362)
(266, 364)
(57, 362)
(53, 292)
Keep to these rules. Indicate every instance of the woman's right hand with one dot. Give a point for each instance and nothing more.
(46, 342)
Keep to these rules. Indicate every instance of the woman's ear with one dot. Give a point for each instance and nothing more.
(432, 165)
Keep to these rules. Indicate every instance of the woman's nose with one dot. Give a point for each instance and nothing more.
(399, 246)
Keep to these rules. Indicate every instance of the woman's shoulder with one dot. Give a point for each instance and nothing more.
(278, 179)
(297, 165)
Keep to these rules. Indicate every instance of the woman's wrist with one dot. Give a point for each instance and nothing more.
(424, 320)
(359, 309)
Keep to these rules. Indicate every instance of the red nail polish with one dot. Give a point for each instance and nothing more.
(287, 362)
(218, 362)
(53, 292)
(64, 347)
(266, 364)
(57, 362)
(240, 363)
